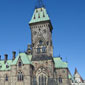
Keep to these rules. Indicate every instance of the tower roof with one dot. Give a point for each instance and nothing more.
(77, 76)
(39, 15)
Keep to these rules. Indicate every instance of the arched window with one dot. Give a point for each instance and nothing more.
(20, 76)
(40, 42)
(60, 79)
(42, 80)
(6, 78)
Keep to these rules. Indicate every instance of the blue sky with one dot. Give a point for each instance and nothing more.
(68, 20)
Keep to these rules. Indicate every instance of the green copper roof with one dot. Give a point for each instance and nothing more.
(5, 66)
(40, 14)
(69, 76)
(59, 63)
(24, 57)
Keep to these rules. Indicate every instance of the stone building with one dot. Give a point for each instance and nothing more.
(36, 66)
(77, 79)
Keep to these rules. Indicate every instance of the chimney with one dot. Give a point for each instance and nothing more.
(0, 57)
(14, 55)
(29, 51)
(6, 58)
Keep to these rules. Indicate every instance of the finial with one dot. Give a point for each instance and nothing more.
(59, 55)
(66, 59)
(76, 70)
(39, 4)
(0, 57)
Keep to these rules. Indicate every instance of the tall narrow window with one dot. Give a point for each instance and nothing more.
(20, 76)
(60, 79)
(38, 50)
(42, 80)
(44, 49)
(40, 42)
(6, 78)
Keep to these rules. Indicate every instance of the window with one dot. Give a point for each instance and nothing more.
(38, 15)
(47, 42)
(44, 49)
(19, 64)
(43, 14)
(34, 16)
(7, 66)
(6, 78)
(42, 80)
(60, 79)
(40, 42)
(20, 76)
(38, 50)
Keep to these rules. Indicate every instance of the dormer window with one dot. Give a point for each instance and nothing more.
(7, 66)
(34, 16)
(43, 14)
(38, 15)
(19, 64)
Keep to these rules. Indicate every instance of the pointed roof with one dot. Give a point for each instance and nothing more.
(24, 57)
(76, 71)
(40, 14)
(77, 76)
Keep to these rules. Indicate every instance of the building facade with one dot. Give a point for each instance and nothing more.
(36, 66)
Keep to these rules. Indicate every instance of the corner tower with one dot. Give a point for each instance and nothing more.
(41, 31)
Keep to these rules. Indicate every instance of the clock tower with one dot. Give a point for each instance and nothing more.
(41, 31)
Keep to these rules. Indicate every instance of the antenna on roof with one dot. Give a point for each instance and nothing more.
(66, 59)
(39, 4)
(59, 55)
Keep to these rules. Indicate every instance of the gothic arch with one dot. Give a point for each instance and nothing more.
(42, 76)
(42, 79)
(41, 69)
